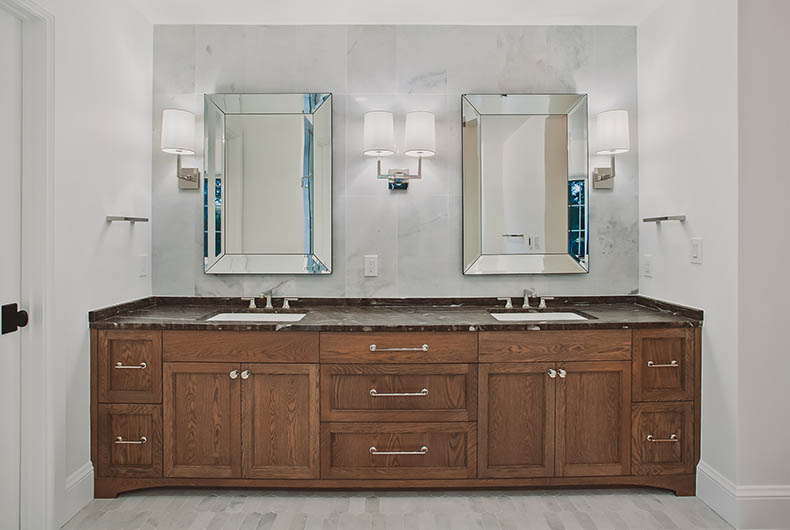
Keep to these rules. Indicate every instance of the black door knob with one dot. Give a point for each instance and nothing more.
(13, 318)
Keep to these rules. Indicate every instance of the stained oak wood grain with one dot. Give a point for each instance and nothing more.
(662, 420)
(458, 347)
(516, 420)
(202, 431)
(132, 423)
(594, 419)
(554, 346)
(280, 422)
(130, 348)
(345, 450)
(452, 392)
(662, 346)
(240, 346)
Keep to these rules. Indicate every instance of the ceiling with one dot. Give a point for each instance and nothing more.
(462, 12)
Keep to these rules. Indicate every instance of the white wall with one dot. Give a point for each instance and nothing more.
(417, 233)
(102, 166)
(763, 467)
(688, 164)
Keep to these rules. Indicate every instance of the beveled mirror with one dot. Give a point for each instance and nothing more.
(525, 184)
(267, 193)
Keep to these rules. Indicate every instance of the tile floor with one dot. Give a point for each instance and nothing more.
(184, 509)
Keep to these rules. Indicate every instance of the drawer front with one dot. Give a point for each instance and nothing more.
(241, 346)
(129, 441)
(662, 439)
(555, 346)
(663, 365)
(398, 392)
(130, 366)
(394, 347)
(398, 450)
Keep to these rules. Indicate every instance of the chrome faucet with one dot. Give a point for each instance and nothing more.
(268, 297)
(527, 294)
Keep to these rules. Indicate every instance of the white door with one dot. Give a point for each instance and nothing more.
(10, 241)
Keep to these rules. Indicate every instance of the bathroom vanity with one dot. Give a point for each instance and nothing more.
(395, 394)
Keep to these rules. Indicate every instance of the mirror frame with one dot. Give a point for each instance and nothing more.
(221, 262)
(474, 261)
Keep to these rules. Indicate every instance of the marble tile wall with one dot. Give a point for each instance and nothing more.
(416, 234)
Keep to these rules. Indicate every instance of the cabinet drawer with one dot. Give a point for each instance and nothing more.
(130, 366)
(398, 450)
(399, 392)
(663, 365)
(129, 441)
(663, 439)
(241, 346)
(395, 347)
(555, 346)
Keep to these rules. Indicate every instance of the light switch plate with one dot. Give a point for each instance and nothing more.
(647, 265)
(371, 265)
(696, 250)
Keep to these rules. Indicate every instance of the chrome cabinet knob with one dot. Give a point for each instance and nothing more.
(562, 373)
(234, 374)
(245, 374)
(552, 373)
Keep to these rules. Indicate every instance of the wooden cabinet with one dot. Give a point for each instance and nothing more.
(587, 407)
(516, 419)
(202, 420)
(279, 415)
(593, 418)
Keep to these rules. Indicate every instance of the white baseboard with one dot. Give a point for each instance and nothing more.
(78, 492)
(744, 507)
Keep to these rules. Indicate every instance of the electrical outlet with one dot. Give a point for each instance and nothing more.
(371, 265)
(647, 265)
(696, 250)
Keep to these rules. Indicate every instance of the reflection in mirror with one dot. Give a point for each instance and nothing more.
(525, 184)
(268, 183)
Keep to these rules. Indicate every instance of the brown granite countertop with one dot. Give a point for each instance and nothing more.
(414, 314)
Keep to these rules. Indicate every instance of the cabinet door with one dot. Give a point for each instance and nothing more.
(280, 424)
(593, 418)
(202, 416)
(516, 419)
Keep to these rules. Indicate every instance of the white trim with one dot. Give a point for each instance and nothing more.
(717, 491)
(37, 481)
(79, 486)
(757, 507)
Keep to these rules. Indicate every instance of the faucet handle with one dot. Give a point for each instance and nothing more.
(508, 302)
(543, 300)
(527, 294)
(251, 300)
(268, 297)
(286, 300)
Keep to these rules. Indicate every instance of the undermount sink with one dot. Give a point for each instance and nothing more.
(257, 317)
(536, 317)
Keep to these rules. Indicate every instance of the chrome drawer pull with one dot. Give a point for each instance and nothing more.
(423, 450)
(120, 366)
(424, 347)
(141, 441)
(673, 364)
(423, 392)
(672, 438)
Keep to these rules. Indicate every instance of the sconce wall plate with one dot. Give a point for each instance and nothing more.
(188, 177)
(603, 177)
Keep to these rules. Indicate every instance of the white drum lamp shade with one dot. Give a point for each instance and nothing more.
(420, 134)
(613, 135)
(178, 132)
(379, 135)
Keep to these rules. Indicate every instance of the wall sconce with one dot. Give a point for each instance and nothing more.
(613, 138)
(379, 140)
(178, 138)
